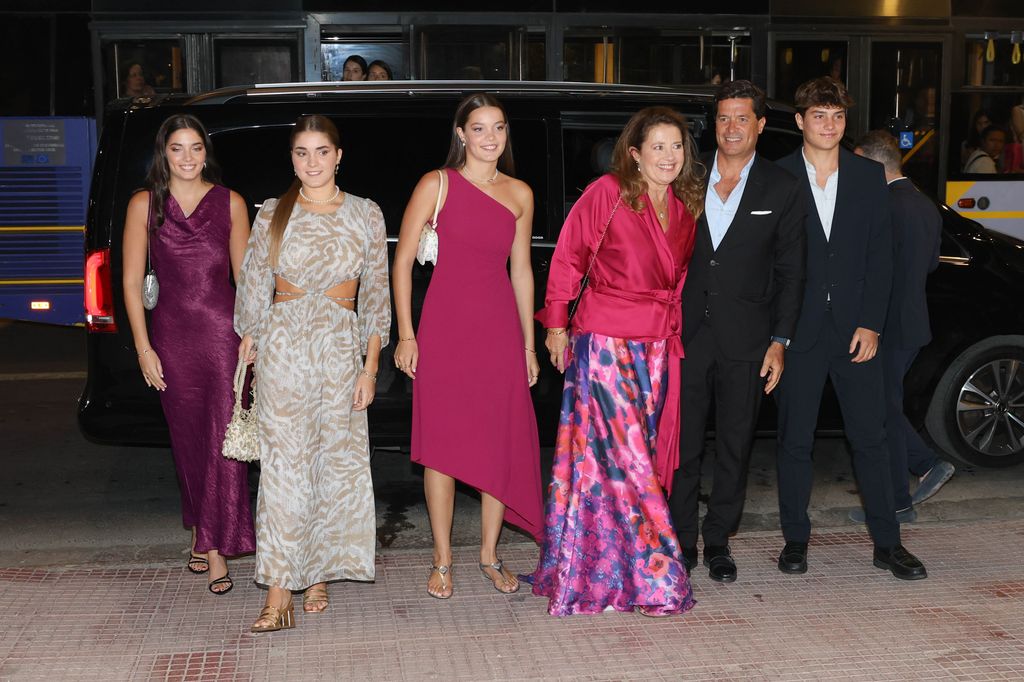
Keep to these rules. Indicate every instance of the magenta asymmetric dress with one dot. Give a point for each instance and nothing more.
(472, 415)
(192, 332)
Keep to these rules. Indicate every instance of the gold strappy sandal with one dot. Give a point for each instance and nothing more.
(498, 566)
(317, 594)
(444, 571)
(277, 618)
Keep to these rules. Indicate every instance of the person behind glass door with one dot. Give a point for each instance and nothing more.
(608, 540)
(846, 296)
(355, 69)
(195, 231)
(917, 231)
(314, 254)
(379, 71)
(979, 122)
(985, 158)
(741, 302)
(473, 358)
(134, 82)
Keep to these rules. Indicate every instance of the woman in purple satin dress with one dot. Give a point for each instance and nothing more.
(473, 359)
(196, 231)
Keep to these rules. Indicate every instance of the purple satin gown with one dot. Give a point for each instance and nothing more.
(191, 331)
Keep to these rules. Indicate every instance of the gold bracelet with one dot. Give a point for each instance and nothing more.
(373, 377)
(411, 338)
(529, 350)
(554, 331)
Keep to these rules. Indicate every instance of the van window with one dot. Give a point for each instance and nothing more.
(382, 159)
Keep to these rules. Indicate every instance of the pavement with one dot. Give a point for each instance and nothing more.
(93, 583)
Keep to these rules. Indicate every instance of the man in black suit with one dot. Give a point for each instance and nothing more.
(741, 301)
(917, 229)
(849, 277)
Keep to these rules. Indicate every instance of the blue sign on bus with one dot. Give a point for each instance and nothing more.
(907, 139)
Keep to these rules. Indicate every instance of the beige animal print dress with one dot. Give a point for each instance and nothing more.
(315, 517)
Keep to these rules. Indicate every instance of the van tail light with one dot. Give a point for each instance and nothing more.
(965, 203)
(99, 299)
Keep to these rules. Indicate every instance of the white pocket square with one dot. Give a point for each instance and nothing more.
(760, 213)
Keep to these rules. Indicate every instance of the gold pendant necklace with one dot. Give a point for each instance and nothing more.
(469, 177)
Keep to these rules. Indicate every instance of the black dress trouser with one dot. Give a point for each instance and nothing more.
(908, 453)
(736, 390)
(860, 390)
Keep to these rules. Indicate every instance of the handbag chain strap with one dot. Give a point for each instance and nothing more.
(593, 257)
(437, 204)
(149, 234)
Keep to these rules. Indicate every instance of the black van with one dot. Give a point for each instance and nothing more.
(965, 385)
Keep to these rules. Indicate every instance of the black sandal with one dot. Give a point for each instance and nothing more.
(201, 564)
(226, 580)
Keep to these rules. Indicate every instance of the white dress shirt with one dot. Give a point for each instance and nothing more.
(824, 199)
(720, 213)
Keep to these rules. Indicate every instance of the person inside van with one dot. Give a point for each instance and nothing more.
(313, 311)
(134, 82)
(355, 69)
(193, 230)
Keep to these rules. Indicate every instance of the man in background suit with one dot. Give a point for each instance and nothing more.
(916, 229)
(849, 277)
(741, 301)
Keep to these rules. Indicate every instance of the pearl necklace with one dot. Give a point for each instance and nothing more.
(337, 191)
(469, 177)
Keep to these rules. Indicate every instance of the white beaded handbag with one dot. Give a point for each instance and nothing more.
(241, 441)
(426, 252)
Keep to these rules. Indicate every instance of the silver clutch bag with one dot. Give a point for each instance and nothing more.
(150, 290)
(426, 252)
(241, 440)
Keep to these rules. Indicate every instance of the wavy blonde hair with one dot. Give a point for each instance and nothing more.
(688, 185)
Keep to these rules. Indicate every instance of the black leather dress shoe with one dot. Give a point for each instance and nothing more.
(721, 567)
(900, 563)
(689, 558)
(793, 558)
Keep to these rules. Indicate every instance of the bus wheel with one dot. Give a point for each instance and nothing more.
(977, 412)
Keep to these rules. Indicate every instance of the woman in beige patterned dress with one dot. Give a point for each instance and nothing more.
(315, 257)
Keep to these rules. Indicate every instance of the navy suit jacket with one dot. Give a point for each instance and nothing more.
(750, 288)
(853, 268)
(917, 230)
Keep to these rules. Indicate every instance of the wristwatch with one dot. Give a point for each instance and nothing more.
(781, 339)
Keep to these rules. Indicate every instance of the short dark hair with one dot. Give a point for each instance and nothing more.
(992, 129)
(880, 146)
(741, 89)
(824, 91)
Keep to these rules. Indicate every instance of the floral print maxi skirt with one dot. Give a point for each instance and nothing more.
(608, 537)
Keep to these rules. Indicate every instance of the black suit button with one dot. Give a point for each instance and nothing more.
(707, 313)
(713, 262)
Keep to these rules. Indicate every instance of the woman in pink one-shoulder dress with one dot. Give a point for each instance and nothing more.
(473, 358)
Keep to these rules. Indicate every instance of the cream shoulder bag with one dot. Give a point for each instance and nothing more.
(426, 252)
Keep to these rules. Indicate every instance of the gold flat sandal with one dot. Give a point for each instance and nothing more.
(278, 618)
(498, 566)
(444, 571)
(315, 595)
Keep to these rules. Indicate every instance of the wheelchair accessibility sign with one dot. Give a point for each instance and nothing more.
(907, 139)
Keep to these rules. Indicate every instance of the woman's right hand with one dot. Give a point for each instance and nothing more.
(152, 370)
(247, 350)
(556, 342)
(407, 354)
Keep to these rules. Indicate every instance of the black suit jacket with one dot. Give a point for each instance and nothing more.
(916, 230)
(750, 288)
(853, 267)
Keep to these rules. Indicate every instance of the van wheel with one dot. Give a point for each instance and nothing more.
(977, 412)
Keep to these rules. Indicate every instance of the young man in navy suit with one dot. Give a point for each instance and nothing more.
(849, 277)
(741, 302)
(917, 229)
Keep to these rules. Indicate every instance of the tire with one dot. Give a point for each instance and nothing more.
(977, 412)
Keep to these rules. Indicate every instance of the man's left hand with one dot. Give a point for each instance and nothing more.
(864, 343)
(774, 362)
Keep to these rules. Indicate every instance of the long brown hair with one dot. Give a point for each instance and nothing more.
(314, 123)
(159, 174)
(457, 150)
(688, 185)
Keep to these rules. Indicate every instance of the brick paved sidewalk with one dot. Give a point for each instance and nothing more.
(844, 619)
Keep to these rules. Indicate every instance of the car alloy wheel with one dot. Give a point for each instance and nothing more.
(990, 408)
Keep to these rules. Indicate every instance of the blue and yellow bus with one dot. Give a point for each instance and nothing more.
(45, 173)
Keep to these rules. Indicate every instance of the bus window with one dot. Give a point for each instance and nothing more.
(798, 61)
(142, 68)
(986, 159)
